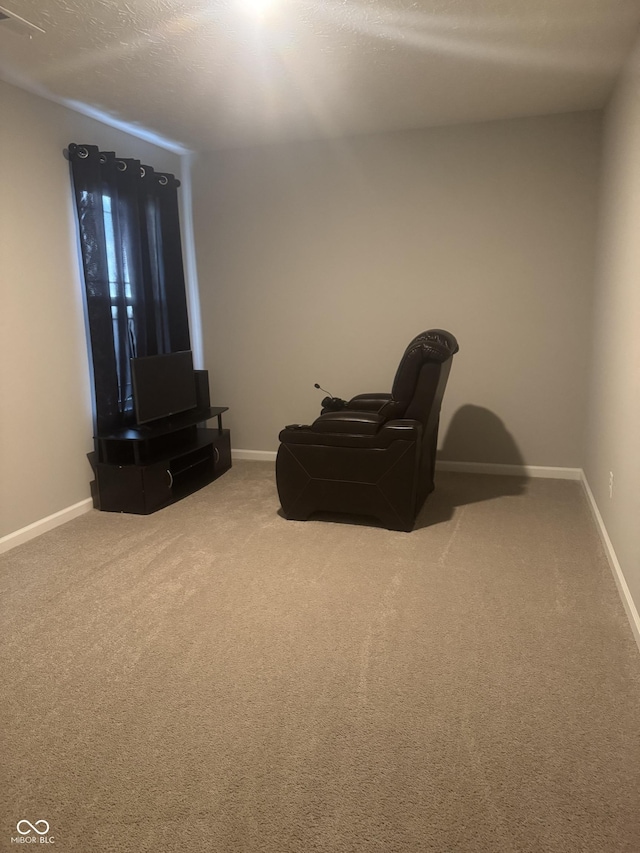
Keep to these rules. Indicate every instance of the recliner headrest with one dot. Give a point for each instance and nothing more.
(437, 343)
(435, 346)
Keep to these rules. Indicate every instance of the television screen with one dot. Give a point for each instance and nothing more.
(163, 385)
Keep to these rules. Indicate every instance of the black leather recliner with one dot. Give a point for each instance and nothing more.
(375, 454)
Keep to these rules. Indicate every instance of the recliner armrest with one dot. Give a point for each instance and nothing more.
(347, 422)
(402, 428)
(352, 429)
(368, 402)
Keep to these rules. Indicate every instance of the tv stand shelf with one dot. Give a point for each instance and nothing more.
(140, 469)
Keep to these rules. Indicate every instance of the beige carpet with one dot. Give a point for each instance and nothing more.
(216, 678)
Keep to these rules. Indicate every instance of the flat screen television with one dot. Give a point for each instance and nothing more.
(163, 385)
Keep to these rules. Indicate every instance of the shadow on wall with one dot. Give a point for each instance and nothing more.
(475, 435)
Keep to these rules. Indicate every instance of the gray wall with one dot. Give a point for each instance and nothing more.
(45, 399)
(614, 408)
(318, 262)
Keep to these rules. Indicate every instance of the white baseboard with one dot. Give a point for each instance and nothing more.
(18, 537)
(510, 470)
(462, 467)
(616, 569)
(254, 455)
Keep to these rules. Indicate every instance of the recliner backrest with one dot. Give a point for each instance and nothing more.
(418, 376)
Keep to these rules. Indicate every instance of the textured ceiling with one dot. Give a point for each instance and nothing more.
(209, 74)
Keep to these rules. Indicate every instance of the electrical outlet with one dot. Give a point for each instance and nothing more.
(610, 484)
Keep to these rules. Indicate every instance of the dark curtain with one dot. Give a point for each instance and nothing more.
(132, 260)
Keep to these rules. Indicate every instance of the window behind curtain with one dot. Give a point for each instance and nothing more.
(129, 233)
(125, 388)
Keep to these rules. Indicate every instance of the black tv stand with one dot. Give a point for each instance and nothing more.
(142, 468)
